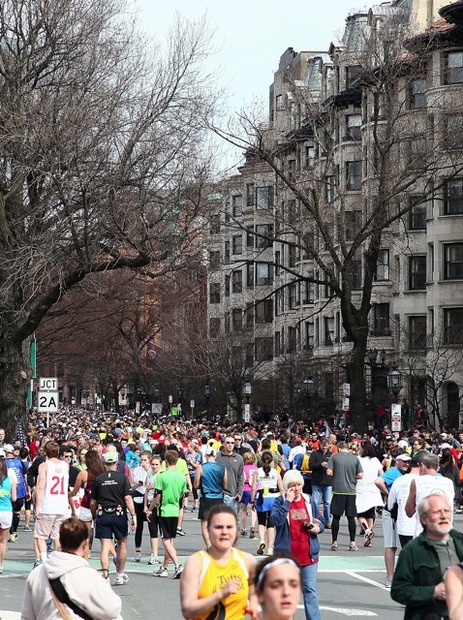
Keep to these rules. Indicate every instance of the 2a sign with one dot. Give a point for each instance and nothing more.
(48, 401)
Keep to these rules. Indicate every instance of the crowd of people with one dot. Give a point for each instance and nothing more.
(279, 485)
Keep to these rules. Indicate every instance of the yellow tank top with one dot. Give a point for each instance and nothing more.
(213, 576)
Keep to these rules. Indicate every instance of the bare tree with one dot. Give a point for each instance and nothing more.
(101, 141)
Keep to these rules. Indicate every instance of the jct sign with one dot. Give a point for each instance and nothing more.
(48, 394)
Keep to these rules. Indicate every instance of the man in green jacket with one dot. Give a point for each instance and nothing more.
(418, 579)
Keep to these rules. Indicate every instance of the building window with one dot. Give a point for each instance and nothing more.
(215, 224)
(453, 197)
(237, 205)
(453, 326)
(417, 93)
(264, 241)
(264, 311)
(353, 175)
(308, 289)
(417, 332)
(264, 274)
(249, 236)
(417, 216)
(214, 293)
(264, 349)
(417, 273)
(277, 344)
(237, 320)
(454, 131)
(382, 266)
(310, 334)
(250, 195)
(354, 126)
(226, 257)
(328, 322)
(357, 275)
(352, 74)
(293, 300)
(380, 320)
(278, 303)
(292, 339)
(310, 155)
(454, 68)
(453, 261)
(214, 328)
(237, 281)
(277, 263)
(264, 197)
(249, 316)
(329, 189)
(214, 260)
(292, 255)
(227, 286)
(237, 244)
(250, 275)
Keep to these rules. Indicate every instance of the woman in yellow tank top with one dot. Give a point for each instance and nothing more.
(217, 584)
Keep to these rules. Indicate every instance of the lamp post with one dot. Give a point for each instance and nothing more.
(207, 395)
(247, 391)
(394, 382)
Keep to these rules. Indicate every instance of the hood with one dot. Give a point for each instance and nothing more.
(59, 564)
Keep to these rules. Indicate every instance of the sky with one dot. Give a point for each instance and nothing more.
(251, 35)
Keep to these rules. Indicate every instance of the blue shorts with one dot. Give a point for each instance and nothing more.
(110, 526)
(246, 497)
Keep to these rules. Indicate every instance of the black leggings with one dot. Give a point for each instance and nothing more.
(335, 527)
(141, 518)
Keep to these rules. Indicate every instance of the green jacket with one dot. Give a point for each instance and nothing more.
(418, 571)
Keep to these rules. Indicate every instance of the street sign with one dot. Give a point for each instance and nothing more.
(156, 408)
(247, 412)
(48, 401)
(396, 417)
(48, 394)
(192, 404)
(346, 389)
(345, 404)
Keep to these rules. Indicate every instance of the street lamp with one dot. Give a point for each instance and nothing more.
(309, 386)
(247, 389)
(394, 381)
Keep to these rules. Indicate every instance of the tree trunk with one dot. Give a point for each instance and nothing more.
(358, 388)
(14, 376)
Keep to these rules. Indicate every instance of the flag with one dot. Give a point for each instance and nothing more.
(21, 435)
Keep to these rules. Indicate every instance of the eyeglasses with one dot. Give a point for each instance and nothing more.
(67, 456)
(232, 442)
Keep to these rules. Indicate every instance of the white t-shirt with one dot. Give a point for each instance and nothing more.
(399, 493)
(426, 485)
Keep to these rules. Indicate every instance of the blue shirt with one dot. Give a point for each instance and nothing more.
(390, 475)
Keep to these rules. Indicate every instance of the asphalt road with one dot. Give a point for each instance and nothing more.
(350, 584)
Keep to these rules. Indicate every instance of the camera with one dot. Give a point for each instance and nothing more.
(307, 526)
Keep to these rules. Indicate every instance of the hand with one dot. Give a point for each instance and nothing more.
(148, 515)
(439, 591)
(231, 587)
(290, 494)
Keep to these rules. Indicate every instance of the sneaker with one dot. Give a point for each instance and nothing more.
(161, 572)
(154, 560)
(13, 538)
(328, 526)
(260, 550)
(367, 542)
(387, 583)
(1, 569)
(270, 551)
(177, 572)
(252, 533)
(181, 532)
(334, 546)
(193, 509)
(27, 528)
(37, 563)
(353, 547)
(137, 557)
(244, 532)
(121, 579)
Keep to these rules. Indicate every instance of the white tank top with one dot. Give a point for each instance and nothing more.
(55, 495)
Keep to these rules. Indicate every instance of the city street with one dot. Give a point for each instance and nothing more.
(350, 584)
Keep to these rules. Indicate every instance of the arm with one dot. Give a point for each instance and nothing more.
(197, 478)
(80, 480)
(14, 490)
(41, 481)
(382, 486)
(240, 485)
(454, 592)
(253, 606)
(406, 587)
(190, 603)
(131, 508)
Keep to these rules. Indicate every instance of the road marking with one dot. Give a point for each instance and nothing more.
(10, 615)
(344, 611)
(372, 582)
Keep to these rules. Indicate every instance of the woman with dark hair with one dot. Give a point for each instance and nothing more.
(449, 470)
(7, 496)
(94, 467)
(278, 587)
(368, 496)
(266, 487)
(219, 582)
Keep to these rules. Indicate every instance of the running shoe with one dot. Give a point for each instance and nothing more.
(353, 547)
(27, 528)
(260, 549)
(161, 572)
(270, 551)
(13, 538)
(181, 532)
(177, 572)
(334, 546)
(37, 563)
(154, 560)
(252, 533)
(137, 557)
(244, 532)
(121, 579)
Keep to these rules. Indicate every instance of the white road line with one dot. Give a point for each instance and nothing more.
(9, 615)
(346, 611)
(365, 579)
